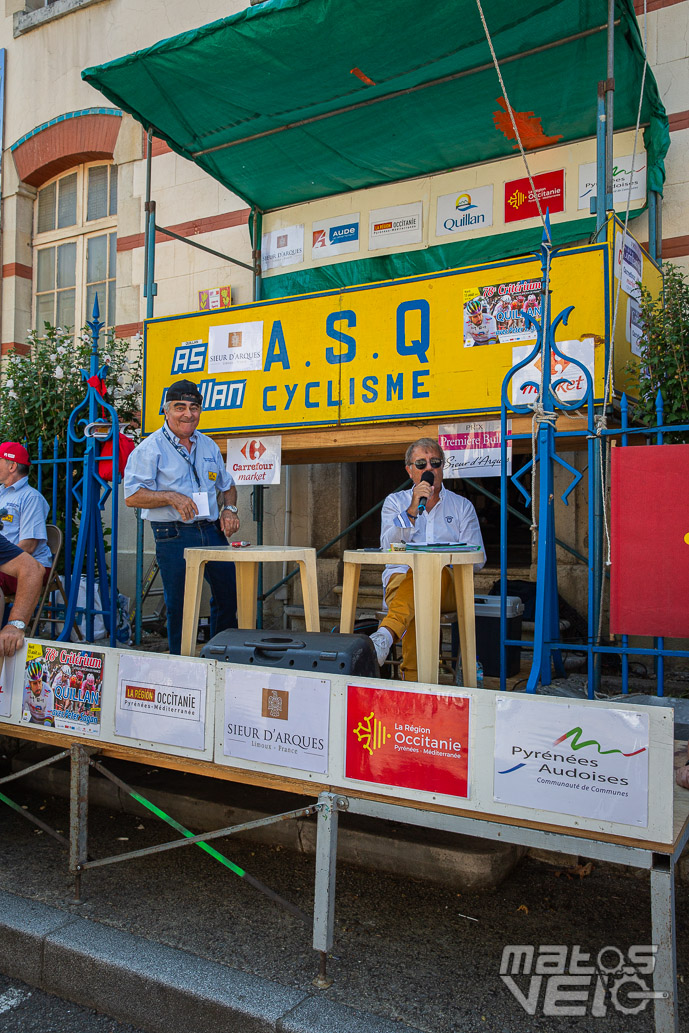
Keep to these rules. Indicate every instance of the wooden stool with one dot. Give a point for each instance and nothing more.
(427, 568)
(246, 562)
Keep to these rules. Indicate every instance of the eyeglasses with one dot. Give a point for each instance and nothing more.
(421, 464)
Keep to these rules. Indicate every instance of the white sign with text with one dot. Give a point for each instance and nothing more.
(277, 718)
(255, 460)
(235, 347)
(398, 224)
(162, 700)
(473, 449)
(574, 759)
(571, 378)
(282, 247)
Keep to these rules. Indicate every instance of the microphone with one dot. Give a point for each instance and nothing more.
(428, 478)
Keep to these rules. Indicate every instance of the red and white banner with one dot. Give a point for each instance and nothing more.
(520, 202)
(414, 740)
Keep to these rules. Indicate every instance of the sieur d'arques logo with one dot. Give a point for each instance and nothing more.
(275, 704)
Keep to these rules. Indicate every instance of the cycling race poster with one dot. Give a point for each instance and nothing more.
(496, 312)
(63, 689)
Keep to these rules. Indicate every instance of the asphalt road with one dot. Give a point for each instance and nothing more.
(406, 950)
(26, 1010)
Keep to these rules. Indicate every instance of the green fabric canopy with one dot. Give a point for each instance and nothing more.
(273, 101)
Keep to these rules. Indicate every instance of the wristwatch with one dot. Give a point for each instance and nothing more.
(232, 509)
(21, 625)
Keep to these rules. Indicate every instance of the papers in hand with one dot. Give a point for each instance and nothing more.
(200, 499)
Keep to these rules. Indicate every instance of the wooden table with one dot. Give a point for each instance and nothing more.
(246, 562)
(427, 569)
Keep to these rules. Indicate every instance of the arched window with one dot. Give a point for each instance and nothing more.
(75, 247)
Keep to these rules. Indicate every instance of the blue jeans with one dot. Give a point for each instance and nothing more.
(172, 538)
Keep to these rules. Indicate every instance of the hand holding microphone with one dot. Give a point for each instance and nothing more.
(426, 478)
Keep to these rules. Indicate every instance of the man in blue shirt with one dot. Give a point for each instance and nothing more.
(23, 509)
(28, 578)
(173, 476)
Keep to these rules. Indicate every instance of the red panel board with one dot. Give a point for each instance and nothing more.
(416, 740)
(649, 580)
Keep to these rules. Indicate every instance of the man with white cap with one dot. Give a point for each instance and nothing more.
(174, 476)
(23, 511)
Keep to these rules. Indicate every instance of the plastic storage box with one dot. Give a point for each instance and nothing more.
(487, 609)
(300, 651)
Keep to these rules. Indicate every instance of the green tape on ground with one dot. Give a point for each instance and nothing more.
(185, 832)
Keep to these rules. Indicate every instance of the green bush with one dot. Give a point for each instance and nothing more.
(664, 363)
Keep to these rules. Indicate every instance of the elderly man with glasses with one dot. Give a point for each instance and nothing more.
(174, 476)
(425, 514)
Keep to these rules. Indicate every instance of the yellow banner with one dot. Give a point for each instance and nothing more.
(421, 348)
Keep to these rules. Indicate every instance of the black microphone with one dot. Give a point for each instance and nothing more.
(428, 477)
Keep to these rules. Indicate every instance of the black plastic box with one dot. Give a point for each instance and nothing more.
(301, 651)
(487, 608)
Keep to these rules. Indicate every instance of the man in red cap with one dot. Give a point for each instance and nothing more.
(23, 511)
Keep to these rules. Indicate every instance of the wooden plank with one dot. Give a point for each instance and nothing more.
(294, 785)
(357, 443)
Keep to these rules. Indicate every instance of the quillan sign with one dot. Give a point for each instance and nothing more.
(390, 351)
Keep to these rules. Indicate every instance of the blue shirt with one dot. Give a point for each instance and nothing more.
(25, 518)
(156, 465)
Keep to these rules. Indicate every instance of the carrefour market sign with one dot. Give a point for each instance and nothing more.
(406, 349)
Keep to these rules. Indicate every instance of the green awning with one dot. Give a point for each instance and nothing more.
(297, 99)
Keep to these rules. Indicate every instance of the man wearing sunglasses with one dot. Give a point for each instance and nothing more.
(174, 477)
(424, 514)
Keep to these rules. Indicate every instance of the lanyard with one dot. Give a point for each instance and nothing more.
(185, 456)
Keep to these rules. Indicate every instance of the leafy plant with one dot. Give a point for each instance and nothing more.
(40, 389)
(664, 364)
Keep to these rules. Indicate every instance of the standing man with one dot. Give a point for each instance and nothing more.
(446, 518)
(173, 476)
(28, 578)
(23, 509)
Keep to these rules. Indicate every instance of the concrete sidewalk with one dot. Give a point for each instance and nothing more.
(154, 986)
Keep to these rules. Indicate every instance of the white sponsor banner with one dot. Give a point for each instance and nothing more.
(163, 700)
(634, 328)
(398, 224)
(573, 381)
(6, 679)
(575, 759)
(277, 718)
(623, 169)
(282, 247)
(629, 263)
(235, 347)
(337, 236)
(255, 460)
(473, 449)
(464, 210)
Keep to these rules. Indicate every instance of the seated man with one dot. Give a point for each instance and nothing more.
(445, 517)
(27, 576)
(25, 511)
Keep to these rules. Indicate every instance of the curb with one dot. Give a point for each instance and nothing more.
(158, 988)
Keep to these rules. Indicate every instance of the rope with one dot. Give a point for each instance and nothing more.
(512, 120)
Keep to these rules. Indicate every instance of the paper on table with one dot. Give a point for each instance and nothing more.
(201, 501)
